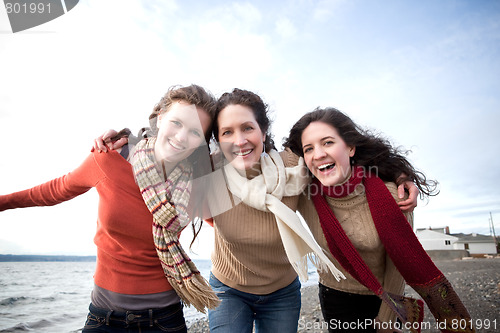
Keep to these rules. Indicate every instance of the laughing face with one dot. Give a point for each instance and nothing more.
(181, 129)
(326, 154)
(240, 137)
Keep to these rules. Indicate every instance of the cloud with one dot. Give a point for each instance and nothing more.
(285, 28)
(431, 84)
(324, 9)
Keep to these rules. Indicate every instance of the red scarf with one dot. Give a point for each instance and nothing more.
(401, 245)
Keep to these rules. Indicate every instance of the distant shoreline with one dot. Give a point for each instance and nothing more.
(44, 258)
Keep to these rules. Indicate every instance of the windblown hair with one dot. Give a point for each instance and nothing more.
(192, 94)
(200, 158)
(255, 103)
(372, 151)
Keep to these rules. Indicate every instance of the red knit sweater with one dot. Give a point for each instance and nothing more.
(127, 262)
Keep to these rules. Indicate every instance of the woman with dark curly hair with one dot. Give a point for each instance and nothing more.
(354, 216)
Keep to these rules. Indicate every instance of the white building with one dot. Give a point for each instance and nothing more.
(437, 240)
(476, 243)
(441, 239)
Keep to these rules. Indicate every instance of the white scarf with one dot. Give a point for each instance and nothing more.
(265, 192)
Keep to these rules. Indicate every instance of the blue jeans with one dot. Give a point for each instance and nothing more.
(167, 319)
(275, 312)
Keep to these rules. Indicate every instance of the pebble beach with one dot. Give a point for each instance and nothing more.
(477, 282)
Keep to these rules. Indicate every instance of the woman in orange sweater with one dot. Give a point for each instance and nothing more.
(141, 276)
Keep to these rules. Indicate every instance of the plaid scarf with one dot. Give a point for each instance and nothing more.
(167, 201)
(403, 248)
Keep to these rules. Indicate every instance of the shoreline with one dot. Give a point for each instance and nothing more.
(476, 281)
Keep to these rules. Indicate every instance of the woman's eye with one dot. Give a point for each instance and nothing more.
(176, 123)
(226, 132)
(196, 133)
(306, 150)
(329, 142)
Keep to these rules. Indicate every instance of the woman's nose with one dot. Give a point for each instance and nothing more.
(319, 153)
(181, 135)
(240, 139)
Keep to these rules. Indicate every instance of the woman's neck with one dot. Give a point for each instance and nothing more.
(252, 172)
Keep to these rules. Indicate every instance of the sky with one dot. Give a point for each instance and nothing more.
(425, 74)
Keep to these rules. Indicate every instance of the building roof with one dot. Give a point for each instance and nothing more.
(474, 238)
(426, 234)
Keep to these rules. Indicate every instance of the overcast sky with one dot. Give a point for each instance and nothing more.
(424, 73)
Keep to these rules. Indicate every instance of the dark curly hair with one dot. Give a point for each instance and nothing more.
(254, 102)
(371, 150)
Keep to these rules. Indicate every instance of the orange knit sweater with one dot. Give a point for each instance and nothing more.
(127, 262)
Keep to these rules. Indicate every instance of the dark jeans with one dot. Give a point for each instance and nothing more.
(168, 319)
(277, 312)
(346, 312)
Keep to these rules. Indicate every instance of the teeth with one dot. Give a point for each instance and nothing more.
(242, 153)
(322, 167)
(176, 146)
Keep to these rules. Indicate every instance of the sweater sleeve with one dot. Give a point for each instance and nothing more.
(393, 281)
(58, 190)
(290, 159)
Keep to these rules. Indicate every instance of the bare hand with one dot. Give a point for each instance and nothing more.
(409, 204)
(104, 143)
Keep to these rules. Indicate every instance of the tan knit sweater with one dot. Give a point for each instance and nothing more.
(354, 215)
(248, 253)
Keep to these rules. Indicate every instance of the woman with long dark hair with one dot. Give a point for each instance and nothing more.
(354, 216)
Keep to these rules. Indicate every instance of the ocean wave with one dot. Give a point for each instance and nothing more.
(12, 300)
(27, 327)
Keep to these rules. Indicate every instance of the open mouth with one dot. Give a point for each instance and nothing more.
(243, 153)
(326, 166)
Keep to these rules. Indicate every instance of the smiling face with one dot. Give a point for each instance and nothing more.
(326, 154)
(181, 129)
(240, 136)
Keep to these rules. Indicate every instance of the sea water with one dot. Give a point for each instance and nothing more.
(54, 296)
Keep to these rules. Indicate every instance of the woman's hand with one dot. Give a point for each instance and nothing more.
(105, 142)
(409, 204)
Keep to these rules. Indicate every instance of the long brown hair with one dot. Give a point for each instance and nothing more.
(371, 150)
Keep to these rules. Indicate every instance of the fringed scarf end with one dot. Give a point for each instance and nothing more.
(196, 292)
(323, 266)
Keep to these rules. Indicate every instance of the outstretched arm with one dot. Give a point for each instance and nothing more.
(57, 190)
